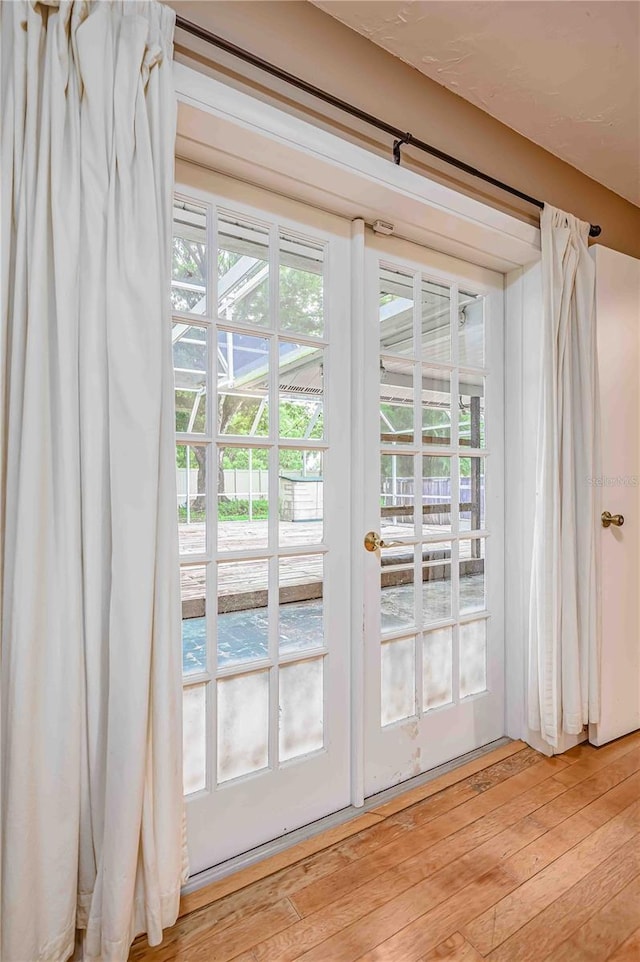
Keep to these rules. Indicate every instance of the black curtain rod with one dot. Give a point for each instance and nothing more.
(400, 138)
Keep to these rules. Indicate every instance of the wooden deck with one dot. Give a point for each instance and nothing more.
(300, 578)
(512, 858)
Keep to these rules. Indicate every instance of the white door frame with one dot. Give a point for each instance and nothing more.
(225, 129)
(238, 134)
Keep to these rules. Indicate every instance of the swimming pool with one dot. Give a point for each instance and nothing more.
(242, 635)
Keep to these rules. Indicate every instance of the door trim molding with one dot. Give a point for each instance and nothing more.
(224, 128)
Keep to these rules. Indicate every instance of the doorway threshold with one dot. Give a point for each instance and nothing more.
(260, 862)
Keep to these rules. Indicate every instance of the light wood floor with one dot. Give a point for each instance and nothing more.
(514, 858)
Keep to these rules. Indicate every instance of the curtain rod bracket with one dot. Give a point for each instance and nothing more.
(397, 144)
(595, 230)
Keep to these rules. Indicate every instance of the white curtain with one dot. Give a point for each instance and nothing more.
(92, 810)
(564, 656)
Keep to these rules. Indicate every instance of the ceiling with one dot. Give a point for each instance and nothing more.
(565, 74)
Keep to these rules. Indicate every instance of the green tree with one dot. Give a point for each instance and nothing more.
(300, 297)
(301, 311)
(189, 264)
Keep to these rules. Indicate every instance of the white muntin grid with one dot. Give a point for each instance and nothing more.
(454, 451)
(212, 440)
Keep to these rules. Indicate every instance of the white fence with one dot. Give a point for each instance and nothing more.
(237, 484)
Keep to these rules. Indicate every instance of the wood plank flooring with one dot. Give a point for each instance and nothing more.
(512, 858)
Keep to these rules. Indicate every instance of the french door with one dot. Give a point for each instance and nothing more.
(299, 429)
(433, 507)
(261, 356)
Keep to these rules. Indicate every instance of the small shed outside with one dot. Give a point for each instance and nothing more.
(300, 497)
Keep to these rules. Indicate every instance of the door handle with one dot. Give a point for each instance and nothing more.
(373, 542)
(608, 519)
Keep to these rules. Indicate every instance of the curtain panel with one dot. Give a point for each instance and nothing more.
(92, 821)
(564, 644)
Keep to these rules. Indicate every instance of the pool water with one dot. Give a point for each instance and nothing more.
(242, 635)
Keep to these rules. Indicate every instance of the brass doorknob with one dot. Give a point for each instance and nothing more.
(609, 519)
(373, 542)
